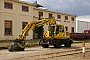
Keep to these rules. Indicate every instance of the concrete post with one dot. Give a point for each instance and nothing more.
(83, 49)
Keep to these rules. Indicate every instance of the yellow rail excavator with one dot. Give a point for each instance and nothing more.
(56, 35)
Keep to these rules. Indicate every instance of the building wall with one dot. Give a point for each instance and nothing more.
(82, 25)
(17, 16)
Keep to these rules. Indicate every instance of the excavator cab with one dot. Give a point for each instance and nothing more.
(56, 36)
(59, 32)
(56, 31)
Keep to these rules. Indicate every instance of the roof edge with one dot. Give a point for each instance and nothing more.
(21, 2)
(54, 11)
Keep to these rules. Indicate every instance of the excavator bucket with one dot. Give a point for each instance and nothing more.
(17, 45)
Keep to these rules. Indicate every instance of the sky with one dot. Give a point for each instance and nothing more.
(79, 7)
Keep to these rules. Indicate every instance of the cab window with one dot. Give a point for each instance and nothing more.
(62, 28)
(52, 30)
(57, 29)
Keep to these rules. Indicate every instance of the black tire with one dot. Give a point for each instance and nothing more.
(67, 44)
(57, 44)
(45, 45)
(11, 47)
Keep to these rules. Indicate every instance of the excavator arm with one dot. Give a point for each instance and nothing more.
(19, 43)
(33, 24)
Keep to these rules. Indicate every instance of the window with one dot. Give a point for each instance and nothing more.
(40, 15)
(8, 27)
(66, 28)
(8, 5)
(52, 28)
(66, 17)
(72, 19)
(23, 25)
(72, 29)
(58, 16)
(50, 15)
(25, 8)
(61, 28)
(57, 29)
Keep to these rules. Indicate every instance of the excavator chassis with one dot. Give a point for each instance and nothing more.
(17, 45)
(55, 42)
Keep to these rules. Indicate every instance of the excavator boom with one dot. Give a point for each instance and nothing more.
(33, 24)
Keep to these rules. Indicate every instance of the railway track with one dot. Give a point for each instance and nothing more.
(39, 53)
(54, 54)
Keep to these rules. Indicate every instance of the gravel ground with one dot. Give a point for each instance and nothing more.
(30, 53)
(72, 57)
